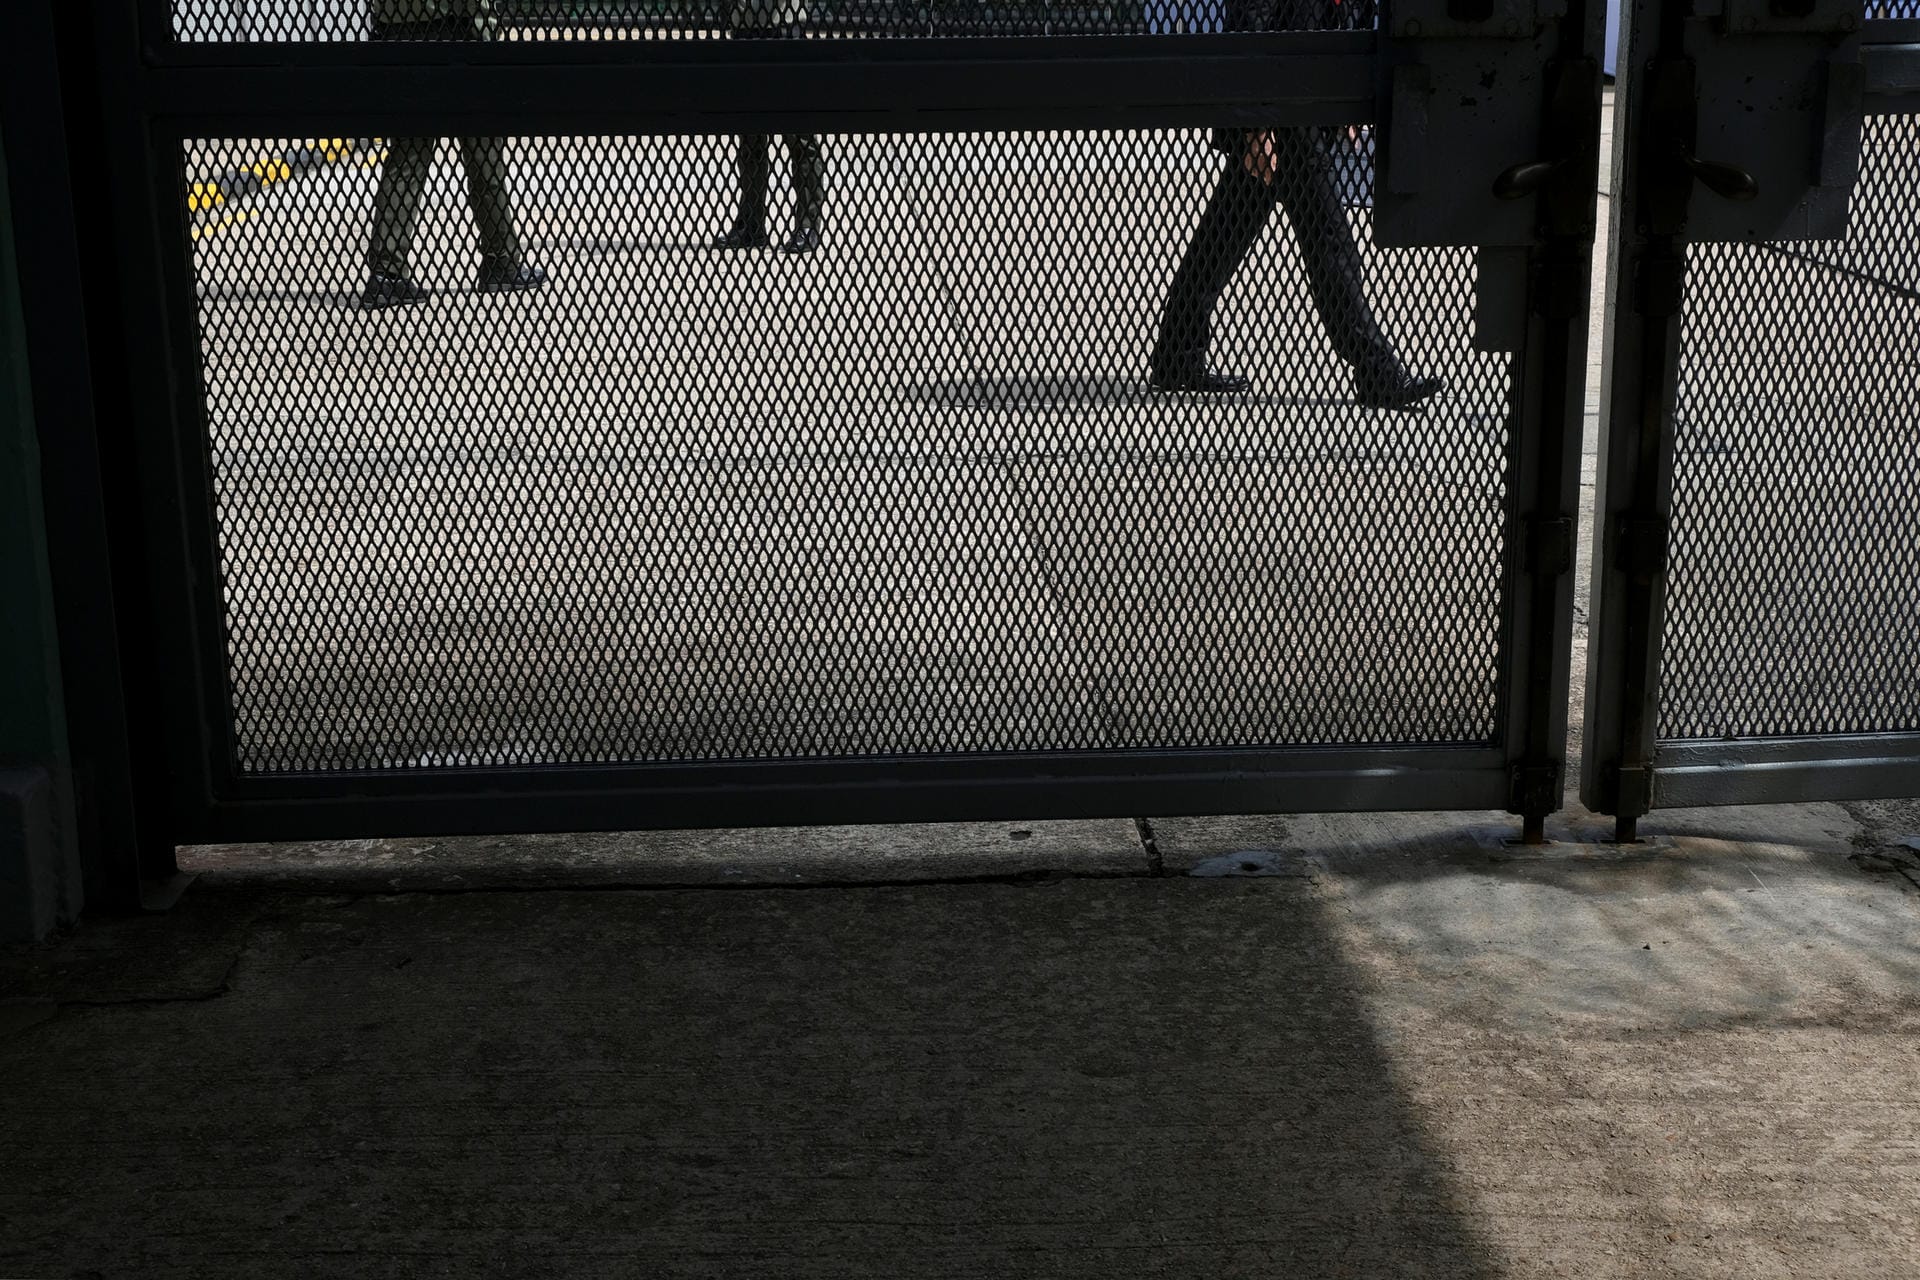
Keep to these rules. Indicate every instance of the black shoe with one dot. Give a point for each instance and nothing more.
(386, 289)
(507, 275)
(1197, 378)
(805, 237)
(1388, 385)
(743, 236)
(809, 193)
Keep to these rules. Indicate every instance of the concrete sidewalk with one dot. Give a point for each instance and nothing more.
(1374, 1046)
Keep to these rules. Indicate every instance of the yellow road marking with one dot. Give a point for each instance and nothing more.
(232, 219)
(202, 196)
(271, 170)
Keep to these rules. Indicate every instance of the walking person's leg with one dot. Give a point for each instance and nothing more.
(503, 264)
(1336, 277)
(809, 191)
(396, 216)
(396, 200)
(752, 171)
(1234, 216)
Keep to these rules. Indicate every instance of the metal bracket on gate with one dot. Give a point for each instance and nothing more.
(1471, 19)
(1640, 546)
(1557, 183)
(1535, 790)
(1782, 17)
(1465, 88)
(1632, 794)
(1773, 128)
(1548, 550)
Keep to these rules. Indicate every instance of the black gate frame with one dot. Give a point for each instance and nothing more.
(1628, 771)
(135, 94)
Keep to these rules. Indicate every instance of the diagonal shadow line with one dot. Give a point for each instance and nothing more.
(1012, 465)
(1835, 268)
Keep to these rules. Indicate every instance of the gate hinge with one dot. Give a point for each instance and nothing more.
(1536, 788)
(1549, 549)
(1659, 285)
(1640, 547)
(1560, 286)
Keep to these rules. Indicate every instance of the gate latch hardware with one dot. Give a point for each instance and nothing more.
(1466, 123)
(1764, 111)
(1724, 180)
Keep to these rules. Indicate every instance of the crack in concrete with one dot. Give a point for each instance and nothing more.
(58, 1007)
(1150, 845)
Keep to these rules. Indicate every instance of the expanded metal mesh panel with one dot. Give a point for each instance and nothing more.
(907, 492)
(1794, 586)
(247, 21)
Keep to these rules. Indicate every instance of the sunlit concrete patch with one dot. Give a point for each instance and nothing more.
(1691, 1056)
(1721, 916)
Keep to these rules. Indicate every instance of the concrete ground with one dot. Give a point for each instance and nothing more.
(1317, 1046)
(1363, 1046)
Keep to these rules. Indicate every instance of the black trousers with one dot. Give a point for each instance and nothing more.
(1234, 218)
(754, 166)
(403, 178)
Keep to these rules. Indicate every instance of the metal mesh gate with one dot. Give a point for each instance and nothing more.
(1759, 566)
(908, 493)
(604, 414)
(248, 21)
(1794, 585)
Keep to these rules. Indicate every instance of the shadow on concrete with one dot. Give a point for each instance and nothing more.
(331, 299)
(1042, 391)
(1092, 1078)
(760, 857)
(617, 248)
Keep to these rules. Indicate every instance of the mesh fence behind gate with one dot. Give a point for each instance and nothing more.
(909, 492)
(248, 21)
(1794, 586)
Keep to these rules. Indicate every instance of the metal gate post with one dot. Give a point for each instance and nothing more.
(39, 861)
(123, 839)
(1534, 217)
(1548, 471)
(1641, 356)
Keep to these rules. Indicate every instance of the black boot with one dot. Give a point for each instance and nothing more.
(389, 287)
(507, 273)
(1382, 382)
(809, 193)
(749, 230)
